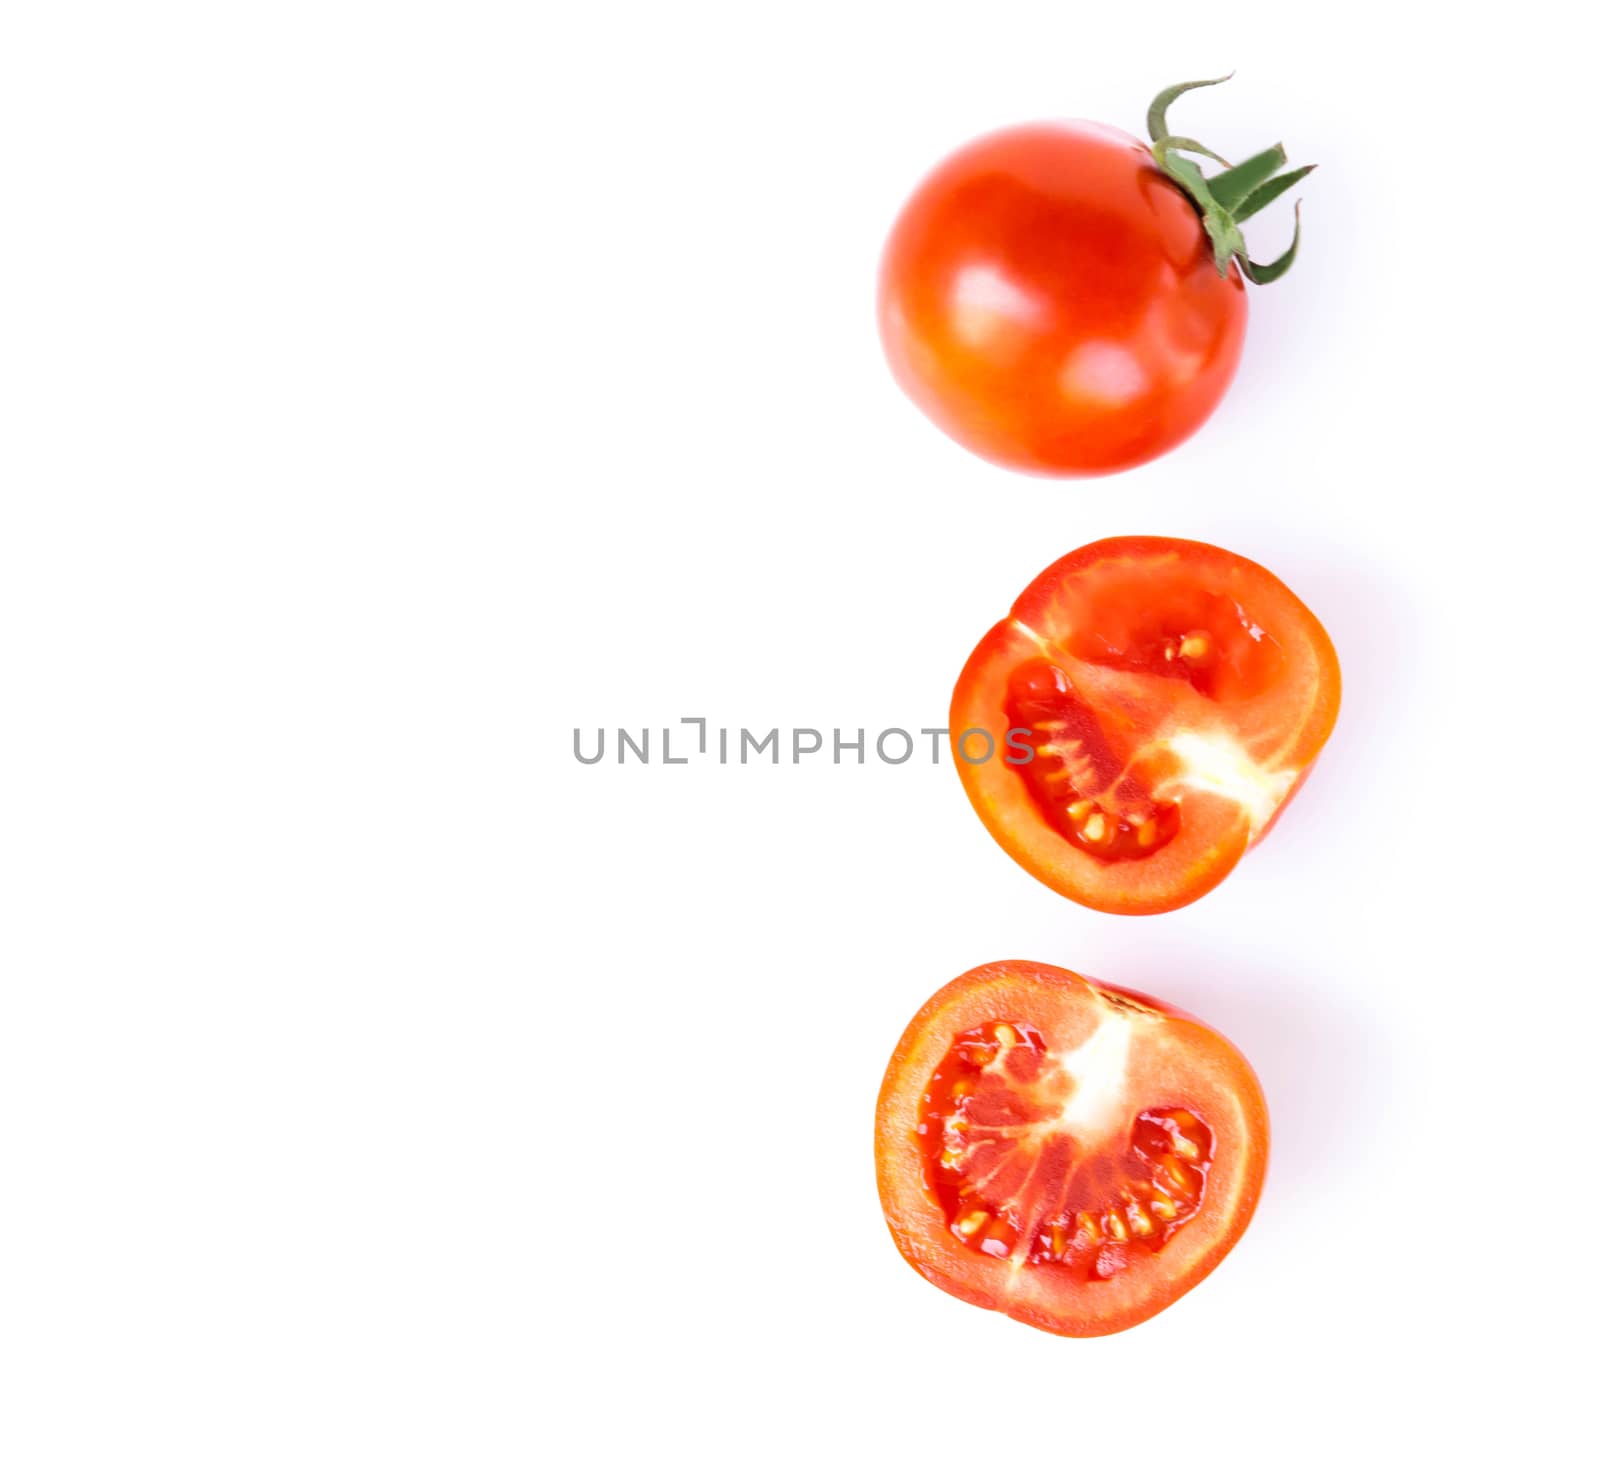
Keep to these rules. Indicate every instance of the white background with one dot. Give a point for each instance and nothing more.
(387, 390)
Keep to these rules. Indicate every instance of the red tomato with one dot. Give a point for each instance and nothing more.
(1174, 697)
(1049, 298)
(1073, 1155)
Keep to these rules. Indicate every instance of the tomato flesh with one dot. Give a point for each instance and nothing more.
(1051, 301)
(1091, 796)
(1010, 1180)
(1173, 694)
(1075, 1155)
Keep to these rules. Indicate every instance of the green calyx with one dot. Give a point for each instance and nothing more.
(1233, 196)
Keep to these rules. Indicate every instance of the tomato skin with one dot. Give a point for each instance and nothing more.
(1272, 702)
(1051, 301)
(1172, 1058)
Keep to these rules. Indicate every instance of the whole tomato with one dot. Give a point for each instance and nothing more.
(1064, 299)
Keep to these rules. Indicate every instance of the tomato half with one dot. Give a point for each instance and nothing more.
(1050, 299)
(1174, 696)
(1073, 1155)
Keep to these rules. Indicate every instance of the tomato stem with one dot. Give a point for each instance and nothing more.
(1233, 196)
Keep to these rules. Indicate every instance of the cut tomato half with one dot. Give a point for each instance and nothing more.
(1165, 699)
(1073, 1155)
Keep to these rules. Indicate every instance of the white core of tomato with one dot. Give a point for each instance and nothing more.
(1098, 1069)
(1216, 763)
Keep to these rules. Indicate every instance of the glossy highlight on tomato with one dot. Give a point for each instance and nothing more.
(1050, 299)
(1175, 696)
(1073, 1155)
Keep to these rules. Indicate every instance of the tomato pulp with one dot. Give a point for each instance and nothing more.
(1174, 696)
(1073, 1155)
(1049, 298)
